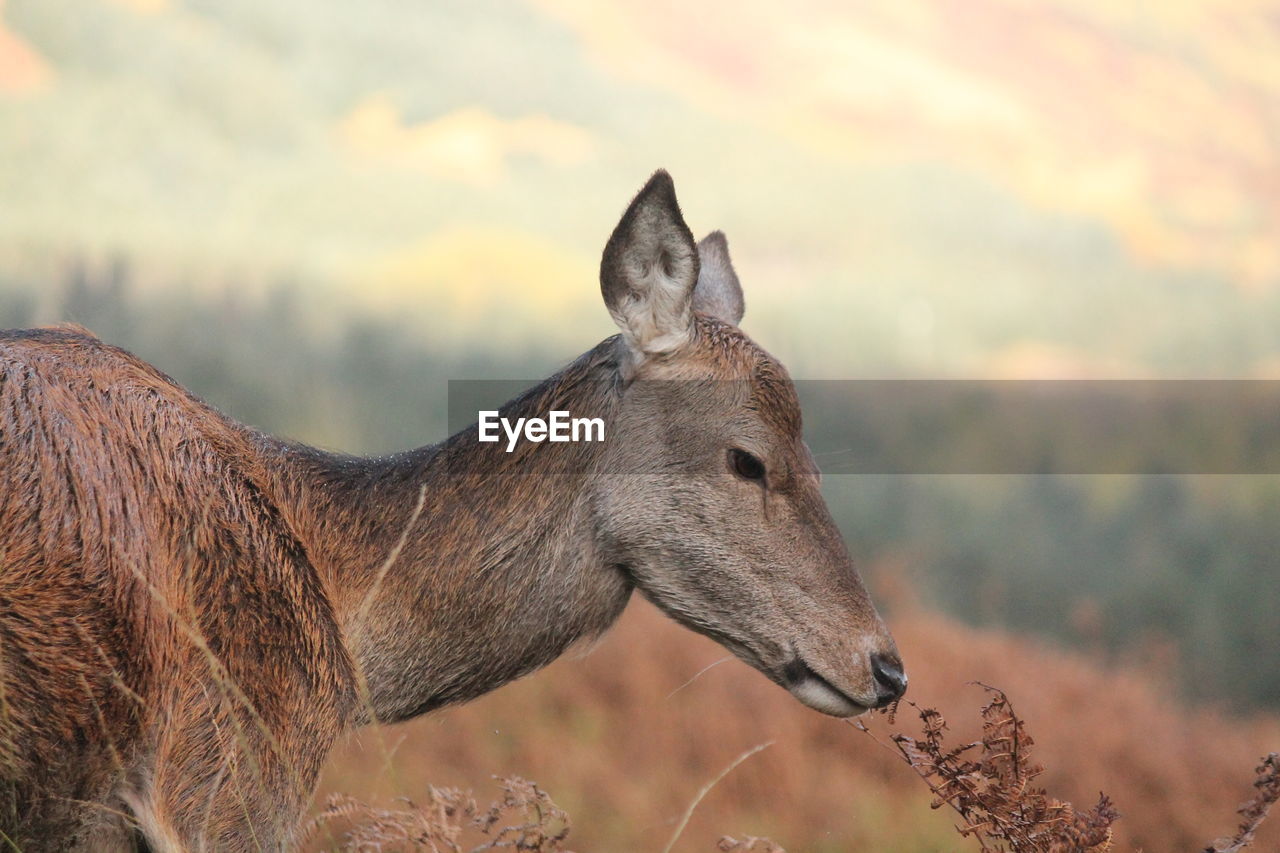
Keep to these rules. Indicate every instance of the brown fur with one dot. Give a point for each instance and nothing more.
(165, 640)
(191, 612)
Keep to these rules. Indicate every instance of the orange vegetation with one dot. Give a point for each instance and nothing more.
(623, 740)
(22, 70)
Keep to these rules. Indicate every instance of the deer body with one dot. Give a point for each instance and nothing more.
(191, 612)
(160, 624)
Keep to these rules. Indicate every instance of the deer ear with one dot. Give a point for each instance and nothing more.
(717, 293)
(649, 270)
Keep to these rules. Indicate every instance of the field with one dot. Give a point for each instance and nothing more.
(624, 736)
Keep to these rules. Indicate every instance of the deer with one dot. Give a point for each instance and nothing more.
(192, 611)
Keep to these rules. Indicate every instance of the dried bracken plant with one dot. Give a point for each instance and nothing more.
(435, 825)
(545, 825)
(525, 819)
(989, 784)
(1255, 810)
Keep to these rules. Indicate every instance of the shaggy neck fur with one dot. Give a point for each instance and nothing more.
(458, 567)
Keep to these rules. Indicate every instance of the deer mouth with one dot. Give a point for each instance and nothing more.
(817, 692)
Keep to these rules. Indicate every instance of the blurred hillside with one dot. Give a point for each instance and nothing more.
(930, 187)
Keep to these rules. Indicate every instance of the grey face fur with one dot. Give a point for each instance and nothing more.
(713, 504)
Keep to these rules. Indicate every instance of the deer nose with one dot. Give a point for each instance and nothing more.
(891, 681)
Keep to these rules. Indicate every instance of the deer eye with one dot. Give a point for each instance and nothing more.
(745, 465)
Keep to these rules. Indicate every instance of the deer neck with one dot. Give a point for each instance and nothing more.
(458, 567)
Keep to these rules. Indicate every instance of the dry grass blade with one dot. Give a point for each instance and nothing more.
(1255, 810)
(688, 813)
(749, 844)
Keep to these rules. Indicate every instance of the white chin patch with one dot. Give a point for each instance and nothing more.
(820, 697)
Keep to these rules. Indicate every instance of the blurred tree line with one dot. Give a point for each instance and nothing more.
(1177, 571)
(1115, 563)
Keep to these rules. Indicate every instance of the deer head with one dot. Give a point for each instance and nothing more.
(710, 500)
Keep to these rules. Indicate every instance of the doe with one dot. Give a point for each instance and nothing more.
(191, 612)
